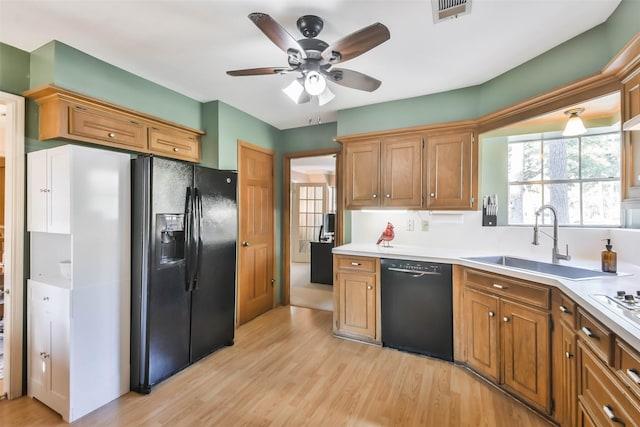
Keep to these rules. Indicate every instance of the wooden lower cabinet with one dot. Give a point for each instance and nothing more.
(356, 291)
(584, 420)
(508, 341)
(565, 378)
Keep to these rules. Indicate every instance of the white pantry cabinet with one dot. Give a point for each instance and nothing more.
(79, 285)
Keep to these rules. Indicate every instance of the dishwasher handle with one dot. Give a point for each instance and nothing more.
(413, 272)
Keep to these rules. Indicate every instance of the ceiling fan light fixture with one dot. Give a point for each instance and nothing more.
(314, 83)
(325, 97)
(296, 91)
(574, 125)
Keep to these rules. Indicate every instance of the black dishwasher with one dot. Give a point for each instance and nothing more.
(417, 307)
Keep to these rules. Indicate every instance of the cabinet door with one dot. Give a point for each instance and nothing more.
(526, 353)
(48, 191)
(37, 191)
(39, 362)
(448, 171)
(174, 143)
(401, 172)
(59, 178)
(566, 357)
(481, 319)
(362, 180)
(357, 304)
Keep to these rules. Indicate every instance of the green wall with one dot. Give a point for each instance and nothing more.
(14, 69)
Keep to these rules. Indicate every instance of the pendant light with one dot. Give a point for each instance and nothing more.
(574, 125)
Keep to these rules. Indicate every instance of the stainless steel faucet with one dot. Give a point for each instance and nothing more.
(555, 255)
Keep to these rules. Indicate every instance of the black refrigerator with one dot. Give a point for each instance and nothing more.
(184, 232)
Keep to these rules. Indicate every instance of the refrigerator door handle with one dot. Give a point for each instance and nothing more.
(188, 228)
(198, 236)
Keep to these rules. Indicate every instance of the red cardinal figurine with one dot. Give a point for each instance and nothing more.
(386, 236)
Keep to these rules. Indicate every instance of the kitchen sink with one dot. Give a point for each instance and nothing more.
(565, 271)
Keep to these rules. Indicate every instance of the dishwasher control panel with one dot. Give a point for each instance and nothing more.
(417, 266)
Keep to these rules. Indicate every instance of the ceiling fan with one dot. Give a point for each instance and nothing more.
(314, 59)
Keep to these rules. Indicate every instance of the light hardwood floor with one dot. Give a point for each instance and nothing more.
(287, 369)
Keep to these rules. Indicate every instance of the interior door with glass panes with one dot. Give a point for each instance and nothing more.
(309, 203)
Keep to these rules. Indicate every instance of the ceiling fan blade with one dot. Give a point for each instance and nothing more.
(357, 43)
(259, 71)
(277, 34)
(352, 79)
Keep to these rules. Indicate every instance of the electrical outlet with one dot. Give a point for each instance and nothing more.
(410, 224)
(425, 225)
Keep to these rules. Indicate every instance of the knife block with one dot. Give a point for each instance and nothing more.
(488, 220)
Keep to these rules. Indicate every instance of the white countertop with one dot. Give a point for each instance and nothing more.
(579, 290)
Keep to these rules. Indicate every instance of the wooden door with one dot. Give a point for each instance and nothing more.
(401, 172)
(362, 174)
(526, 353)
(357, 304)
(448, 171)
(482, 333)
(256, 261)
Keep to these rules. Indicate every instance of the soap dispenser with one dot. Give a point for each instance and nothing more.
(609, 258)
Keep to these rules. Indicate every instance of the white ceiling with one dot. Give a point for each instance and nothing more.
(188, 45)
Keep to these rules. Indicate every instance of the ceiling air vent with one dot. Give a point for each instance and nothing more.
(447, 9)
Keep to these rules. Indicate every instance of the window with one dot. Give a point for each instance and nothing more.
(579, 176)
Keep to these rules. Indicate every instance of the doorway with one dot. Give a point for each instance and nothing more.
(12, 245)
(311, 227)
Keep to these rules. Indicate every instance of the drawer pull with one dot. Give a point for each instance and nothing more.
(564, 309)
(491, 314)
(374, 196)
(133, 122)
(588, 333)
(111, 135)
(355, 264)
(495, 285)
(631, 373)
(505, 319)
(569, 355)
(609, 412)
(388, 196)
(432, 194)
(81, 108)
(175, 149)
(369, 287)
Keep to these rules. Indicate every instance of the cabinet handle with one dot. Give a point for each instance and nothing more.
(133, 122)
(44, 190)
(374, 196)
(175, 149)
(491, 314)
(45, 299)
(433, 194)
(495, 285)
(369, 287)
(245, 243)
(631, 373)
(609, 412)
(588, 332)
(5, 292)
(388, 196)
(79, 107)
(44, 355)
(505, 319)
(355, 264)
(569, 355)
(564, 309)
(111, 135)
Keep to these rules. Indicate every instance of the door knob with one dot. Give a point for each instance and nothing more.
(245, 243)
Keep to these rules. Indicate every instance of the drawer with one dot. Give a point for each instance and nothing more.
(93, 125)
(627, 366)
(355, 263)
(50, 298)
(595, 335)
(564, 309)
(518, 290)
(173, 143)
(601, 395)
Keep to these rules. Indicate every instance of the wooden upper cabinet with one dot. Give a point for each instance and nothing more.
(401, 172)
(448, 171)
(426, 168)
(631, 117)
(362, 178)
(73, 116)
